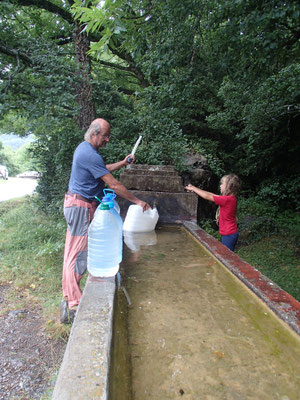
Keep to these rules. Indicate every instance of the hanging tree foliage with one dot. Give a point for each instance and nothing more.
(218, 77)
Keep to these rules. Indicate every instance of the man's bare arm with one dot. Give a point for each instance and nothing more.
(120, 164)
(121, 190)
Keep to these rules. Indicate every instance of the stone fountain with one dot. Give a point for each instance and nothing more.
(160, 186)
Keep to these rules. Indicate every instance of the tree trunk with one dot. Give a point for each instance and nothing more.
(84, 91)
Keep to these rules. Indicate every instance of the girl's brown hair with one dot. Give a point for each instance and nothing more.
(232, 184)
(232, 187)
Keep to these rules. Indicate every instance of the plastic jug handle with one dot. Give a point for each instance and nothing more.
(109, 192)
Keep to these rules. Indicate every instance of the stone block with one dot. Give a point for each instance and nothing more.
(158, 178)
(171, 207)
(161, 183)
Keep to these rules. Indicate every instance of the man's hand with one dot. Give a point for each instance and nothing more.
(120, 164)
(129, 159)
(145, 206)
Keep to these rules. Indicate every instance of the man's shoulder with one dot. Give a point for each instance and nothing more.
(87, 156)
(85, 149)
(86, 146)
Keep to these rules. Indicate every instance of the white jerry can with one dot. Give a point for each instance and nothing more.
(138, 221)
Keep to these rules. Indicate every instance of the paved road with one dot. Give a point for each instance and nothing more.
(16, 187)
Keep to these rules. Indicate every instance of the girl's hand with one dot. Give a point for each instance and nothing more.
(189, 188)
(200, 192)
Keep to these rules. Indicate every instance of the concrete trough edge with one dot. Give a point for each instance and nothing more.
(280, 302)
(85, 367)
(84, 372)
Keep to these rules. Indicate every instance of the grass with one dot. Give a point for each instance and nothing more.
(269, 240)
(31, 254)
(275, 257)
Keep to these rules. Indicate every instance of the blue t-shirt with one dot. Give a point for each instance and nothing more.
(87, 169)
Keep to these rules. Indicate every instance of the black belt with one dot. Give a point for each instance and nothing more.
(79, 197)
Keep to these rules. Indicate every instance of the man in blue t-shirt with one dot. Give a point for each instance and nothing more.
(88, 176)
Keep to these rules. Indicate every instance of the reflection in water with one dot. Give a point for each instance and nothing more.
(135, 240)
(193, 331)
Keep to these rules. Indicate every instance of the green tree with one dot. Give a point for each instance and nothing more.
(220, 77)
(225, 72)
(259, 93)
(7, 159)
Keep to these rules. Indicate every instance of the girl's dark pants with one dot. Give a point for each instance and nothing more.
(230, 240)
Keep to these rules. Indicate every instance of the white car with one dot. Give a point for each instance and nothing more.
(3, 172)
(30, 174)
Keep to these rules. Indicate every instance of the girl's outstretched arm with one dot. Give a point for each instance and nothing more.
(202, 193)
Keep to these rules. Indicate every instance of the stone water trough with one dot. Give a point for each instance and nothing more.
(84, 373)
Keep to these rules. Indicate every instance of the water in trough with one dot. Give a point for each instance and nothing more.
(194, 331)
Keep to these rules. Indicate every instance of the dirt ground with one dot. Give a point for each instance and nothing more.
(29, 358)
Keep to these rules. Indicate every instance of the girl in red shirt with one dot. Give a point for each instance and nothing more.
(226, 212)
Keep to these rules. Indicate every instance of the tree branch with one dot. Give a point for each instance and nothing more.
(48, 6)
(115, 66)
(16, 54)
(129, 92)
(61, 41)
(132, 67)
(67, 16)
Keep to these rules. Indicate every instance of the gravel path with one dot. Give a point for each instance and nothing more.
(28, 356)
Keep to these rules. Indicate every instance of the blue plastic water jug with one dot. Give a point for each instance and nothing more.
(109, 196)
(105, 242)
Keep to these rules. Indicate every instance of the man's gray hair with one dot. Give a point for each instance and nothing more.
(95, 128)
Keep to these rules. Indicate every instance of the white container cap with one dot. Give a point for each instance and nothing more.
(138, 221)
